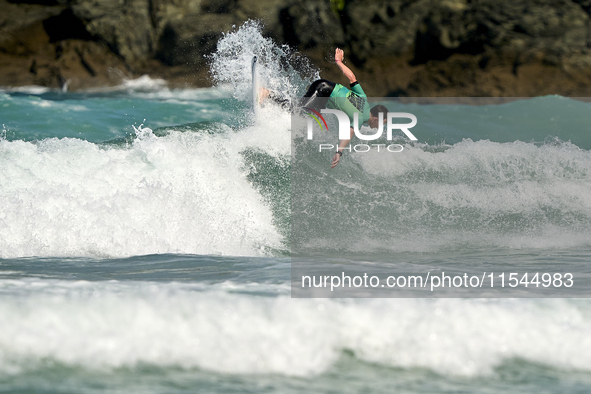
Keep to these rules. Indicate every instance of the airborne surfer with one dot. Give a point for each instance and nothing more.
(349, 100)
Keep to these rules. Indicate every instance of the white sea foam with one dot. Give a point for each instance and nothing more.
(121, 324)
(144, 83)
(277, 64)
(156, 89)
(27, 89)
(472, 194)
(183, 193)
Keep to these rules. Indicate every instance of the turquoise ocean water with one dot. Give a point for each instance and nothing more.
(145, 243)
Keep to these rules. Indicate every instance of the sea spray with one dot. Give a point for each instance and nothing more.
(281, 69)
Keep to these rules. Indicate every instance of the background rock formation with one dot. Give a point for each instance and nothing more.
(396, 47)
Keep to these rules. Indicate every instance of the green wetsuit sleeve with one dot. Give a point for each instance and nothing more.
(358, 90)
(339, 91)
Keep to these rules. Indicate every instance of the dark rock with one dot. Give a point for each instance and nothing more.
(65, 26)
(382, 28)
(218, 6)
(188, 41)
(124, 25)
(400, 47)
(310, 25)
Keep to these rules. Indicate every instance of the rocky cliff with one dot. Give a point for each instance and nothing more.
(396, 47)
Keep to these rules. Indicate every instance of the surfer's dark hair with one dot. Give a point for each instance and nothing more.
(375, 111)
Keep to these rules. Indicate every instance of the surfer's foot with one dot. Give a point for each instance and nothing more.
(263, 95)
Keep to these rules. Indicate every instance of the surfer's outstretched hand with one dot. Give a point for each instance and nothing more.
(335, 160)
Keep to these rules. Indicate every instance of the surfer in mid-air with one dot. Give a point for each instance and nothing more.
(352, 100)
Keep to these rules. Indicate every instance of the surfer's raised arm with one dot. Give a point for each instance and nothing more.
(339, 55)
(326, 94)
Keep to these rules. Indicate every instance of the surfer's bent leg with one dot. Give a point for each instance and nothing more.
(317, 93)
(314, 98)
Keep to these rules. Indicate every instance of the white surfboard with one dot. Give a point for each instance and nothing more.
(255, 86)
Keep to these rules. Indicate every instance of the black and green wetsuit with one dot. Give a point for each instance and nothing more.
(326, 94)
(350, 101)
